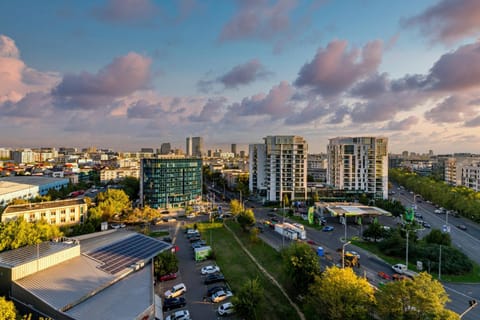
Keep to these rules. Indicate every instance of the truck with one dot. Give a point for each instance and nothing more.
(202, 253)
(285, 231)
(297, 228)
(351, 260)
(403, 269)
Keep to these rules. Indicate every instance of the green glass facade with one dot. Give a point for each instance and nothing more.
(170, 182)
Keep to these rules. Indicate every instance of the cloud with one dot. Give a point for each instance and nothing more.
(334, 69)
(8, 49)
(17, 79)
(313, 111)
(371, 87)
(402, 125)
(211, 111)
(386, 106)
(32, 105)
(275, 103)
(448, 20)
(458, 70)
(240, 75)
(475, 122)
(453, 109)
(258, 19)
(142, 109)
(126, 11)
(123, 76)
(243, 74)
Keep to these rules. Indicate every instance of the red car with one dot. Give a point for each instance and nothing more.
(310, 242)
(169, 276)
(384, 275)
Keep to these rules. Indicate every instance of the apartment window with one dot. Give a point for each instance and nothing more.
(63, 211)
(53, 220)
(63, 220)
(72, 218)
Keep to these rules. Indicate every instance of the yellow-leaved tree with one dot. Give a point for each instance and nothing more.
(339, 294)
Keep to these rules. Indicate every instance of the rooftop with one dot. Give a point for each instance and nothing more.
(352, 209)
(42, 205)
(13, 258)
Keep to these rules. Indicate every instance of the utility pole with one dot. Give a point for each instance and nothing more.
(440, 264)
(406, 254)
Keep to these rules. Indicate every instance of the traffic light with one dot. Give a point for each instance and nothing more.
(472, 303)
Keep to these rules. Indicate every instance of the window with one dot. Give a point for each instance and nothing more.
(72, 218)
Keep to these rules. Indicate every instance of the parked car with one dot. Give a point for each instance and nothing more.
(219, 296)
(462, 227)
(169, 276)
(213, 278)
(212, 290)
(174, 303)
(167, 239)
(210, 269)
(179, 315)
(418, 215)
(328, 228)
(176, 290)
(226, 309)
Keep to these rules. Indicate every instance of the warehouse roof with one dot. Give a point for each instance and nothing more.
(13, 258)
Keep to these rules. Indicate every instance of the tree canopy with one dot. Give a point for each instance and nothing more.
(7, 309)
(18, 233)
(165, 263)
(339, 294)
(110, 203)
(420, 298)
(249, 300)
(246, 219)
(301, 265)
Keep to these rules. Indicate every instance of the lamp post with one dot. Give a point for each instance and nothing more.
(345, 225)
(343, 253)
(406, 253)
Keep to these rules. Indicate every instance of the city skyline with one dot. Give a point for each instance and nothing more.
(128, 74)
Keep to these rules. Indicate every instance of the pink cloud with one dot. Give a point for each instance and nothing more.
(405, 124)
(449, 20)
(259, 18)
(334, 69)
(453, 109)
(244, 74)
(457, 70)
(275, 103)
(130, 11)
(123, 76)
(16, 79)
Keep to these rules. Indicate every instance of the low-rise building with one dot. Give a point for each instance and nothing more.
(62, 212)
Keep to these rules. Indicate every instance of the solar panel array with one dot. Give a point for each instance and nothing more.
(123, 254)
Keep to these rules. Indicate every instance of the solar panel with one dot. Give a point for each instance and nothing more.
(122, 254)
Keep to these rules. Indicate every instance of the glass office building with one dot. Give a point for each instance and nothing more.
(170, 182)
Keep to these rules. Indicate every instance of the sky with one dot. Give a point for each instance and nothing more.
(128, 74)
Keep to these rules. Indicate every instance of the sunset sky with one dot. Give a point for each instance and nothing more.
(127, 74)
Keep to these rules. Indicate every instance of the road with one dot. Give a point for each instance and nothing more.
(459, 294)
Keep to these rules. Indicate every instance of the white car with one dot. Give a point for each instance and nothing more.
(221, 295)
(179, 315)
(210, 269)
(177, 290)
(226, 308)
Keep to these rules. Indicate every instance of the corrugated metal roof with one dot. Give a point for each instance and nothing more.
(42, 205)
(13, 258)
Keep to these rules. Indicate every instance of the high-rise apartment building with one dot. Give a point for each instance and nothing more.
(278, 168)
(359, 164)
(234, 149)
(194, 146)
(23, 156)
(172, 181)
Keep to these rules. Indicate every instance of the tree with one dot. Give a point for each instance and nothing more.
(246, 219)
(375, 231)
(339, 294)
(165, 263)
(235, 207)
(301, 266)
(420, 298)
(249, 300)
(7, 310)
(131, 186)
(110, 203)
(438, 237)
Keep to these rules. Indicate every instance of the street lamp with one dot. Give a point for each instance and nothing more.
(343, 253)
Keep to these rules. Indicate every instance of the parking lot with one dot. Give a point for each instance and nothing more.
(198, 304)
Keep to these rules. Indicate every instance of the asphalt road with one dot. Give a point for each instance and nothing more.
(459, 294)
